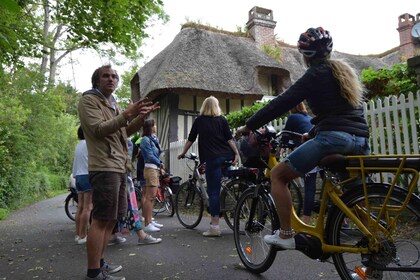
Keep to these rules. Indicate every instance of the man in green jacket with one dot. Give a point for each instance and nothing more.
(106, 128)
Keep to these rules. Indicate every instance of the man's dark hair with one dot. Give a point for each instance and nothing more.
(147, 127)
(97, 75)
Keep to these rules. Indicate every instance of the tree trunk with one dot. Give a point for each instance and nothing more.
(46, 27)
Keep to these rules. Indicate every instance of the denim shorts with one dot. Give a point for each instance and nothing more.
(310, 153)
(83, 183)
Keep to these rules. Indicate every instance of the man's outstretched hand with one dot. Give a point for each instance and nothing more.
(142, 107)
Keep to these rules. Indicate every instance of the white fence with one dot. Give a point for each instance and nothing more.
(394, 124)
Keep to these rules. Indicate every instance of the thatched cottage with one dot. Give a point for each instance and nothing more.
(202, 61)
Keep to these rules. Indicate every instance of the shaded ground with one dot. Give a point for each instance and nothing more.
(38, 243)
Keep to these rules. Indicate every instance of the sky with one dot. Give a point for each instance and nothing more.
(357, 27)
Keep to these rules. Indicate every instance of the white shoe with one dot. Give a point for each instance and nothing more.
(116, 240)
(151, 228)
(81, 241)
(76, 238)
(213, 232)
(156, 224)
(275, 240)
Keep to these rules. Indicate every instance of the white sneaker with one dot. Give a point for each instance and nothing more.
(76, 238)
(275, 240)
(81, 241)
(117, 240)
(149, 240)
(151, 228)
(212, 232)
(156, 224)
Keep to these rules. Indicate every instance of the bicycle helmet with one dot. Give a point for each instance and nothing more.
(315, 43)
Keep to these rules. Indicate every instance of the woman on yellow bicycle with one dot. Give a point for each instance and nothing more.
(334, 93)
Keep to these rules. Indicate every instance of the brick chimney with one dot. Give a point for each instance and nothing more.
(261, 26)
(407, 42)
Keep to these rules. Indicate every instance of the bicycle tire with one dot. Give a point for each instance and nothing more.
(165, 205)
(254, 253)
(159, 204)
(138, 197)
(297, 198)
(397, 249)
(170, 205)
(189, 205)
(71, 209)
(229, 197)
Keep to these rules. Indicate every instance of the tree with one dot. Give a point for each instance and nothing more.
(57, 28)
(385, 82)
(17, 37)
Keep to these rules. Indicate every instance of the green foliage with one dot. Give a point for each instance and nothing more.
(124, 91)
(272, 51)
(238, 118)
(3, 213)
(18, 37)
(121, 23)
(37, 137)
(385, 82)
(49, 30)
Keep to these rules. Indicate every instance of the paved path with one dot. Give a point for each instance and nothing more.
(38, 243)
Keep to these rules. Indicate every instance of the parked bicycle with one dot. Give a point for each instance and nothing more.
(372, 229)
(164, 201)
(191, 198)
(71, 202)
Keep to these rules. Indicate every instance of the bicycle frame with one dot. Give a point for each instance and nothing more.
(366, 227)
(373, 228)
(197, 179)
(333, 192)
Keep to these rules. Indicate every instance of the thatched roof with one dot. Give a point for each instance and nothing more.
(207, 61)
(292, 61)
(216, 62)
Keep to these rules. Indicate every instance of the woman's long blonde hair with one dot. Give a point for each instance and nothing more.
(351, 88)
(210, 107)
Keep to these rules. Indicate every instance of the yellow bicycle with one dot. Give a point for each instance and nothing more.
(370, 230)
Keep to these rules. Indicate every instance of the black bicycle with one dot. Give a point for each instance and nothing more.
(192, 197)
(71, 203)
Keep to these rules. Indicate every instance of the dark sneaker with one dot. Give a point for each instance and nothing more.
(149, 240)
(104, 276)
(111, 268)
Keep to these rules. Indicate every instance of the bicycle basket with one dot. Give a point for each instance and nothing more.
(255, 147)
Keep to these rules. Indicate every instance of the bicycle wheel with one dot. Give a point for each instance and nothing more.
(169, 201)
(164, 203)
(138, 196)
(254, 253)
(70, 206)
(189, 205)
(159, 205)
(229, 197)
(297, 199)
(398, 245)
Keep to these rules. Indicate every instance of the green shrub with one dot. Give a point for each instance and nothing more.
(4, 213)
